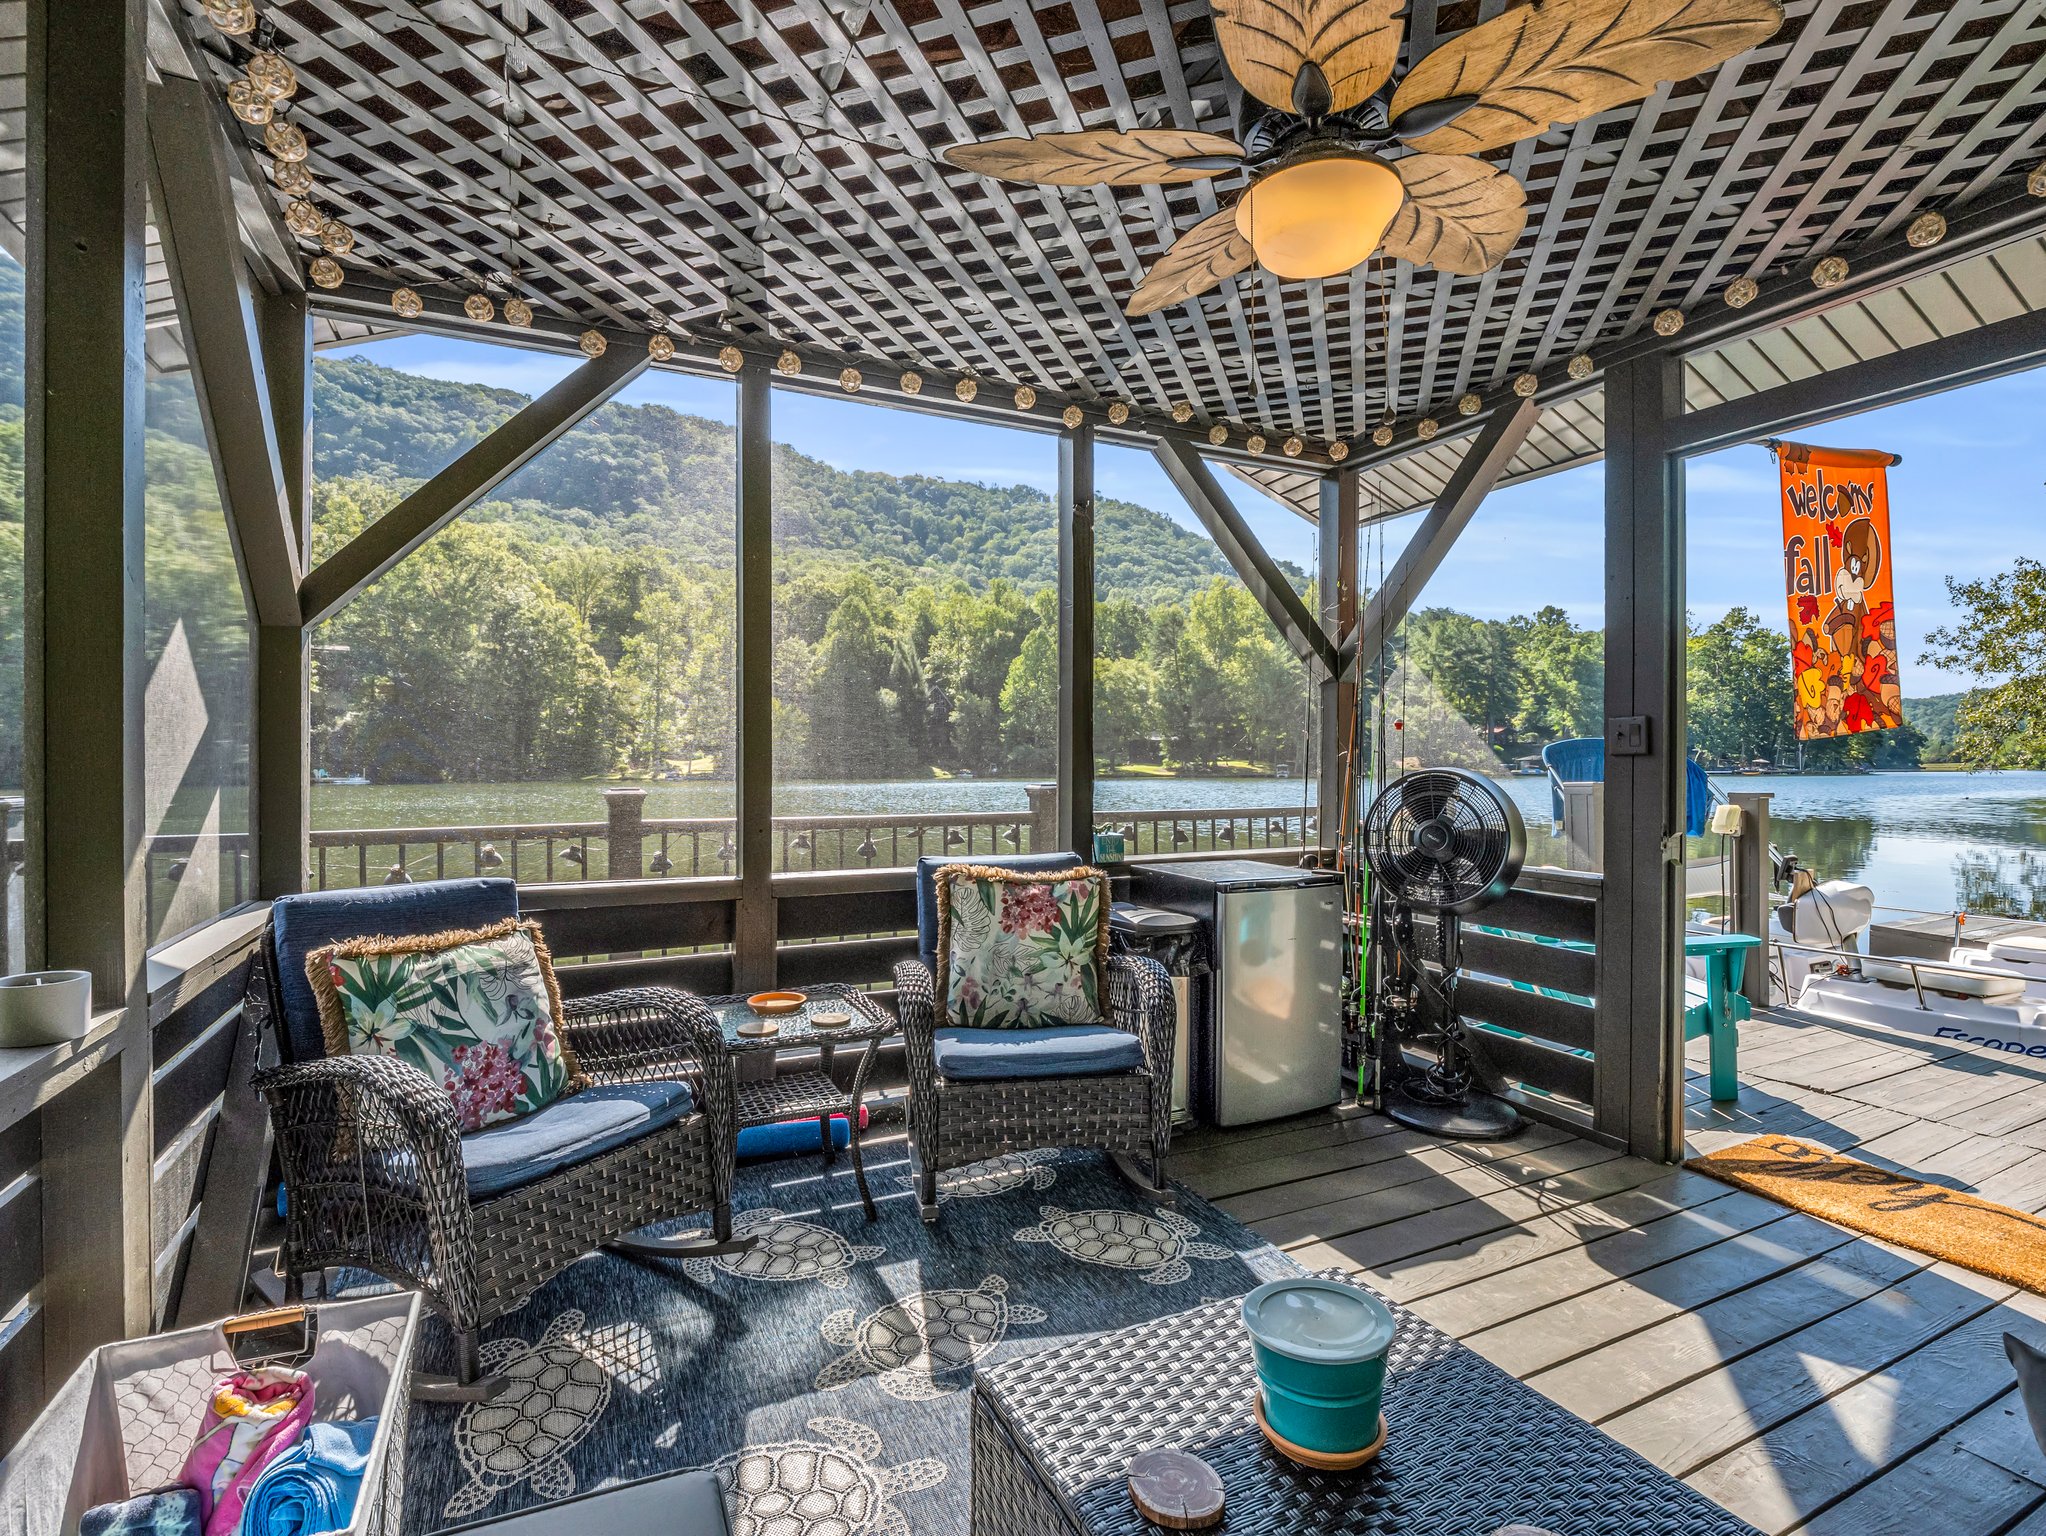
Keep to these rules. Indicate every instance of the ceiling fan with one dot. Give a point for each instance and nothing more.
(1343, 164)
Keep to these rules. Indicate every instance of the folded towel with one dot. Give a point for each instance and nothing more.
(171, 1512)
(313, 1486)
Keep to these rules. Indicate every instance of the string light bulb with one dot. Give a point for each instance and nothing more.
(1118, 412)
(1426, 428)
(2036, 182)
(731, 359)
(1580, 366)
(1218, 434)
(1381, 435)
(234, 18)
(1470, 404)
(1831, 272)
(1026, 397)
(1668, 322)
(1072, 416)
(292, 178)
(591, 343)
(303, 219)
(249, 104)
(850, 380)
(479, 308)
(518, 312)
(1182, 412)
(1928, 229)
(911, 382)
(337, 238)
(406, 303)
(788, 365)
(965, 390)
(325, 272)
(1525, 384)
(1255, 443)
(1742, 292)
(285, 141)
(660, 346)
(272, 74)
(1338, 451)
(1292, 447)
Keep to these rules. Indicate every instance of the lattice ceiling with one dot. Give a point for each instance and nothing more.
(774, 168)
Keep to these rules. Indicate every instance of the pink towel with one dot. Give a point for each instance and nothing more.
(253, 1416)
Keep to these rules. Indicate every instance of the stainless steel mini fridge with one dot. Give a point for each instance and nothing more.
(1267, 1033)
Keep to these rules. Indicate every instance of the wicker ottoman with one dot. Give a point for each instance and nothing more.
(1470, 1448)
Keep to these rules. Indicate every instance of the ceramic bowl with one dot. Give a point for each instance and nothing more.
(775, 1002)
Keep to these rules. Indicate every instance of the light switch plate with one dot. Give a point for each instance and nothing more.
(1627, 736)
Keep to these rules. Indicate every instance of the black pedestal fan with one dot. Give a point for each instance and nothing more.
(1441, 844)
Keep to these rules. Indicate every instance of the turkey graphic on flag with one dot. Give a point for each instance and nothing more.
(1837, 563)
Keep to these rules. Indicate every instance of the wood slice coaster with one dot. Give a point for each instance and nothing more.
(1175, 1489)
(755, 1029)
(1320, 1461)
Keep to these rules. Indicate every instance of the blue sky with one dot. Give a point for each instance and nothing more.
(1968, 499)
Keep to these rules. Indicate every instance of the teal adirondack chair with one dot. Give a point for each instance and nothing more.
(1715, 1006)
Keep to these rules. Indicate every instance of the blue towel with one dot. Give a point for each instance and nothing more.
(172, 1512)
(311, 1487)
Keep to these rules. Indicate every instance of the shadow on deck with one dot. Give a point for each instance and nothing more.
(1809, 1379)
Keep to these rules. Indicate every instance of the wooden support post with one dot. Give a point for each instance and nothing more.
(754, 932)
(1076, 641)
(84, 657)
(1338, 594)
(1639, 1083)
(1749, 906)
(280, 758)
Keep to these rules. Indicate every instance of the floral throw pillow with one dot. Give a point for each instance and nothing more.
(1020, 951)
(475, 1011)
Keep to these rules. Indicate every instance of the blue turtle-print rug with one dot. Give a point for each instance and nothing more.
(824, 1373)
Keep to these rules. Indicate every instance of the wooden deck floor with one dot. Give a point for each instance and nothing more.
(1806, 1378)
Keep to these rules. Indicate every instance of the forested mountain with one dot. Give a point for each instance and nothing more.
(647, 474)
(1934, 716)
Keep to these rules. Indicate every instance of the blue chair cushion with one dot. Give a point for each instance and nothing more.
(927, 869)
(569, 1131)
(304, 923)
(1060, 1050)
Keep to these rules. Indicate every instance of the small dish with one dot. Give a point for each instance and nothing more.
(830, 1018)
(776, 1002)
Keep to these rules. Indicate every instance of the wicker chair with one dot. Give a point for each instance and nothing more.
(374, 1162)
(954, 1120)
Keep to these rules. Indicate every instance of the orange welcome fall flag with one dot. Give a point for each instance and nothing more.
(1836, 581)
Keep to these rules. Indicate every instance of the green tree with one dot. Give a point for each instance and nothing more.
(2000, 641)
(1739, 689)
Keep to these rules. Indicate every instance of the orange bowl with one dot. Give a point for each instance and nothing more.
(775, 1002)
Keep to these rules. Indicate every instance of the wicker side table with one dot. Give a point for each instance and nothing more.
(804, 1095)
(1470, 1449)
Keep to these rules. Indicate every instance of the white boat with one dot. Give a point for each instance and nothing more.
(1991, 999)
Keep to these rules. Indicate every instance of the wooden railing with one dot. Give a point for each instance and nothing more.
(627, 844)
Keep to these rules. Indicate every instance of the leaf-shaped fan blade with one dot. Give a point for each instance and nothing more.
(1199, 259)
(1355, 43)
(1461, 215)
(1150, 155)
(1566, 60)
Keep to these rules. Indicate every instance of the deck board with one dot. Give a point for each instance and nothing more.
(1812, 1380)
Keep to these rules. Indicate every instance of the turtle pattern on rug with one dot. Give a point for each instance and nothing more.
(822, 1375)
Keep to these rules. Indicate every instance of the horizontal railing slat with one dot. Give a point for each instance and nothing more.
(1551, 1019)
(1519, 959)
(1536, 1064)
(851, 960)
(1551, 916)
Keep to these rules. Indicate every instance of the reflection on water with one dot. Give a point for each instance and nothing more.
(2008, 884)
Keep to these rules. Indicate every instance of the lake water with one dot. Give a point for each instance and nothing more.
(1931, 841)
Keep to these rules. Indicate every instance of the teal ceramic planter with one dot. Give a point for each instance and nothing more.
(1320, 1350)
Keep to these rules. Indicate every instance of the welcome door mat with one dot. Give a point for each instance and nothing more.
(1949, 1224)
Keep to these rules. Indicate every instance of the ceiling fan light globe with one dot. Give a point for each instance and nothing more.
(1322, 216)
